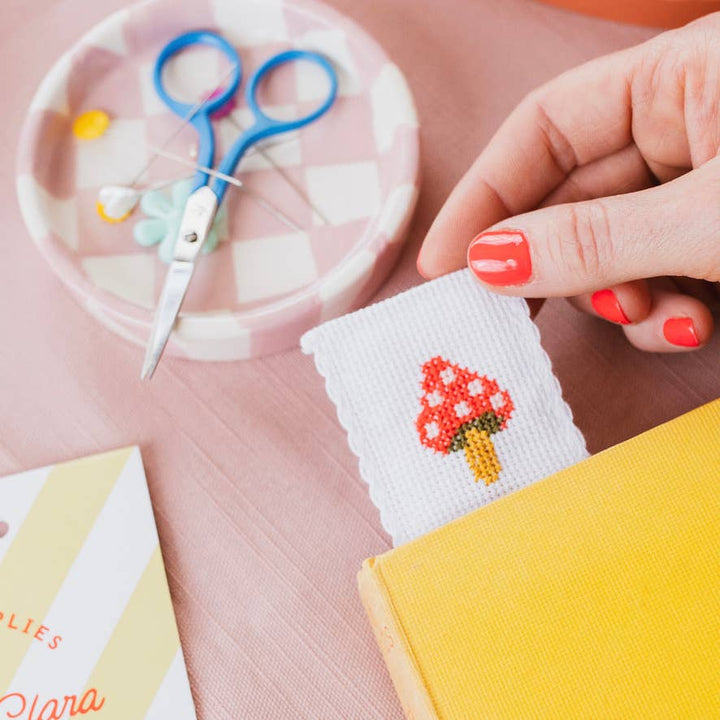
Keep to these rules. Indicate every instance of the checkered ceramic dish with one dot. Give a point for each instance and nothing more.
(265, 284)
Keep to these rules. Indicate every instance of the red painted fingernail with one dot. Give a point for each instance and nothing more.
(500, 257)
(681, 331)
(607, 305)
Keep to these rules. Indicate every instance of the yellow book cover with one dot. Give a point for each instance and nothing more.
(594, 593)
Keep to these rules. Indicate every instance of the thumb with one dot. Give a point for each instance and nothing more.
(672, 229)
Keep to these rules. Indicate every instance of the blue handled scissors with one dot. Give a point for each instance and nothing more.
(204, 200)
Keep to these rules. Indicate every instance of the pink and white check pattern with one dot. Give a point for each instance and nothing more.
(265, 284)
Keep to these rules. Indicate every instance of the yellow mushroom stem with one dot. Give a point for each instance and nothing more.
(480, 455)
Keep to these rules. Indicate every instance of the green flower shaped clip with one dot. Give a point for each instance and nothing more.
(165, 214)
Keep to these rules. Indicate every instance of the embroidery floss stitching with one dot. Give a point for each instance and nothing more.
(372, 361)
(461, 410)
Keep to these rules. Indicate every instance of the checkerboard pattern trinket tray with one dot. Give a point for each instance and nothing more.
(265, 284)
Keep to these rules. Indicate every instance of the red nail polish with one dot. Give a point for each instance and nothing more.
(500, 257)
(607, 305)
(681, 331)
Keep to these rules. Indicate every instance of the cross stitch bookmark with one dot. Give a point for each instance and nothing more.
(448, 398)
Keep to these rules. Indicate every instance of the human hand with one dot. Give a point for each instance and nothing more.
(621, 156)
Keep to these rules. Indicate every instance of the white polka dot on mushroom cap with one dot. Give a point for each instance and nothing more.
(434, 399)
(497, 401)
(462, 409)
(447, 376)
(432, 430)
(475, 387)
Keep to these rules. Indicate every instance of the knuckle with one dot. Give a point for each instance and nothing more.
(585, 245)
(535, 106)
(558, 146)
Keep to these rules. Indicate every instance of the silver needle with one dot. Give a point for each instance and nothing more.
(191, 114)
(268, 206)
(266, 155)
(233, 181)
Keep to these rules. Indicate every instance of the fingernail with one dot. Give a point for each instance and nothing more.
(681, 331)
(500, 257)
(607, 305)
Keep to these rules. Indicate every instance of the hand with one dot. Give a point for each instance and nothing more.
(621, 159)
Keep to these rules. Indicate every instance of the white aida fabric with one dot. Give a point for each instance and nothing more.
(448, 400)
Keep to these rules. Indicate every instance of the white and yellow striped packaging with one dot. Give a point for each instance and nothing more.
(86, 621)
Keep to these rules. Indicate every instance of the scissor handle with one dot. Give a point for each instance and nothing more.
(281, 59)
(264, 125)
(198, 115)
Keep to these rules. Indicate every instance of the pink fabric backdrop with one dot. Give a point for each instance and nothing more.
(262, 515)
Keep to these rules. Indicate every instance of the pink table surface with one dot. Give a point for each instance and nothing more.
(263, 518)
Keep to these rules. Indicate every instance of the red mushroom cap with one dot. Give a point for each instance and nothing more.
(455, 399)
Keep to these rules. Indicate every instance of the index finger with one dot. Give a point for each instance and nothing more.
(581, 116)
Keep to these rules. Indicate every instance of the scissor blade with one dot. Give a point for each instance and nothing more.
(195, 224)
(173, 293)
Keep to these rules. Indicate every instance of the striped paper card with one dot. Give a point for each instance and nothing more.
(87, 627)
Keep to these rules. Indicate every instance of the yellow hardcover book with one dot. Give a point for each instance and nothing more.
(594, 593)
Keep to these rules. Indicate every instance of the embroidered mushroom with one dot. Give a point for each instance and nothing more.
(461, 410)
